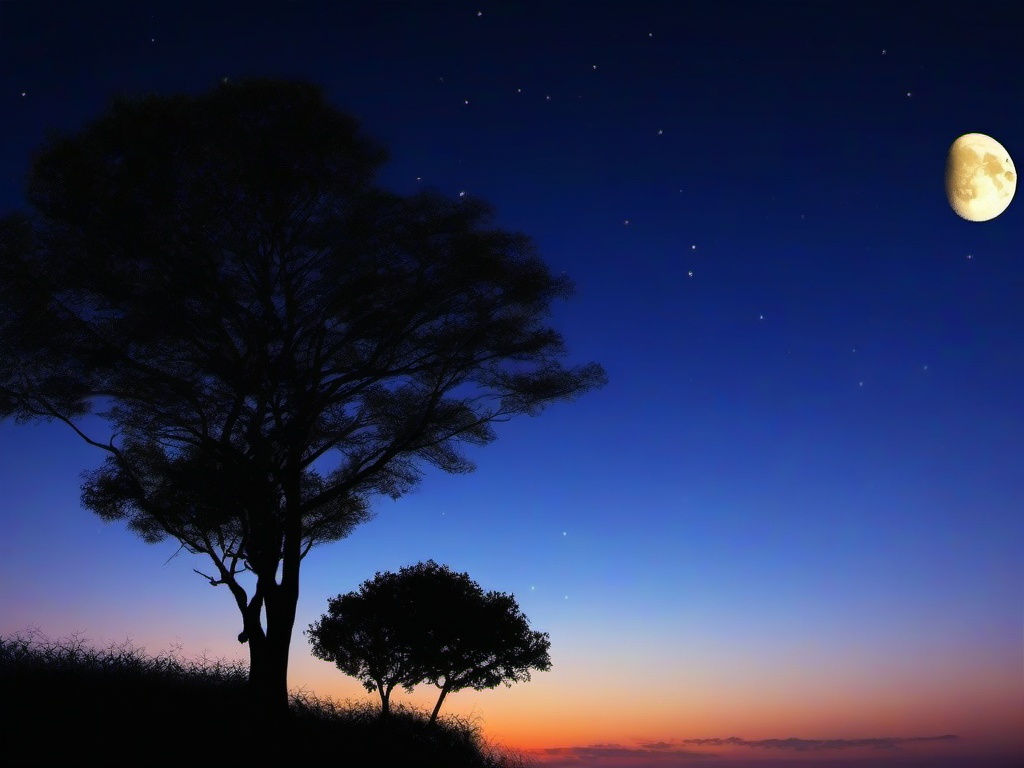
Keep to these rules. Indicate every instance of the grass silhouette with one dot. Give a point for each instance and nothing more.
(70, 704)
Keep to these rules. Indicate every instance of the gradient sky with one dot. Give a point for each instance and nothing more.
(795, 510)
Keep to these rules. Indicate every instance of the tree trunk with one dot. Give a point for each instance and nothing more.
(268, 677)
(269, 649)
(385, 700)
(440, 700)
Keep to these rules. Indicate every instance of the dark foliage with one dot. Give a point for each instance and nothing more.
(427, 623)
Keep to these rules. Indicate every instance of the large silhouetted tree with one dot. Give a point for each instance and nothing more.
(271, 339)
(428, 624)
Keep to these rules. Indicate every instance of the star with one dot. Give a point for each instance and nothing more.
(689, 273)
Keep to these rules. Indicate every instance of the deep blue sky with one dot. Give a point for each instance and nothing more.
(805, 472)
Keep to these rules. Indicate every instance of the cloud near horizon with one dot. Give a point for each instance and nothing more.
(803, 745)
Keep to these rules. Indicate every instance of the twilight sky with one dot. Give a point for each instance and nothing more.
(790, 527)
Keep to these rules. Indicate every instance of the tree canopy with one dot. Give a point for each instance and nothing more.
(427, 623)
(272, 339)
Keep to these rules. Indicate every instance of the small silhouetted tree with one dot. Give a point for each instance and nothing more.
(362, 634)
(272, 339)
(429, 624)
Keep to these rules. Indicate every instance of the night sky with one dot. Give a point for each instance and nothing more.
(795, 510)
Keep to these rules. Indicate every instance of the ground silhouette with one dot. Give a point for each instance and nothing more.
(70, 704)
